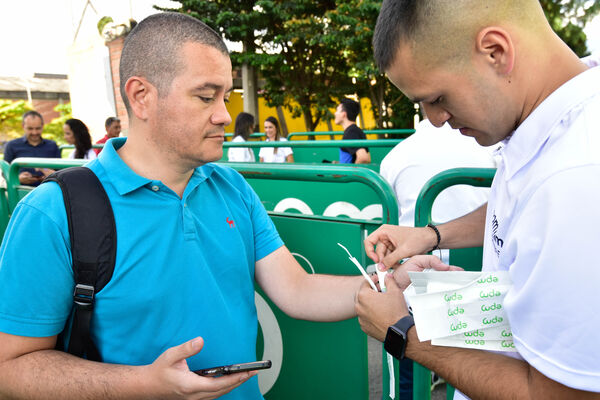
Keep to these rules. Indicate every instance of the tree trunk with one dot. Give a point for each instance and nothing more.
(282, 122)
(250, 87)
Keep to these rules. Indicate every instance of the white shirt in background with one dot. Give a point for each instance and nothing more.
(90, 155)
(240, 154)
(427, 152)
(268, 153)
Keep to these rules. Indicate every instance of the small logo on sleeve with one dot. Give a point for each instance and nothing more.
(498, 243)
(230, 222)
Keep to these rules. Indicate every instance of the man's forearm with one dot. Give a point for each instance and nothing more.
(325, 297)
(50, 374)
(466, 231)
(485, 375)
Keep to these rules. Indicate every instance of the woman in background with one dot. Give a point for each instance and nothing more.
(244, 126)
(77, 133)
(275, 154)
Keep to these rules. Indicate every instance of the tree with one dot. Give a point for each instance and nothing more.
(300, 59)
(568, 18)
(355, 22)
(237, 21)
(11, 113)
(54, 129)
(309, 53)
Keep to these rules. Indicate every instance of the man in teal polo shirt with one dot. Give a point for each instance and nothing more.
(192, 239)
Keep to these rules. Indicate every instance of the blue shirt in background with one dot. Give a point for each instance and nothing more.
(21, 148)
(184, 267)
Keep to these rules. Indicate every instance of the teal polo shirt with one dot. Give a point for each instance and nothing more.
(184, 267)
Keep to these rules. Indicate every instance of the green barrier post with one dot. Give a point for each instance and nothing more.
(469, 259)
(4, 210)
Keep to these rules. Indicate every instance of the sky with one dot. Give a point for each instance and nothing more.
(36, 34)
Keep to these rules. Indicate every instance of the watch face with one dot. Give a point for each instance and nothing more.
(395, 342)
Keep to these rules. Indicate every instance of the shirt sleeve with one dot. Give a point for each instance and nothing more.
(56, 151)
(354, 134)
(9, 154)
(36, 280)
(552, 307)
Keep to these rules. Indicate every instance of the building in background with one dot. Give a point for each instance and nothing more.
(43, 91)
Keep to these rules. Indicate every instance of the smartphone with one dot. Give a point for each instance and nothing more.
(234, 368)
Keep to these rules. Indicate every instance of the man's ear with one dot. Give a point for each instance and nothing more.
(496, 45)
(140, 94)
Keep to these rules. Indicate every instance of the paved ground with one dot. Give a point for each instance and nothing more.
(375, 381)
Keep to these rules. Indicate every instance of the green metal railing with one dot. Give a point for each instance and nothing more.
(318, 143)
(480, 177)
(4, 210)
(291, 135)
(326, 173)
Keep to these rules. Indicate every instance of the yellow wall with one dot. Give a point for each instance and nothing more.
(236, 106)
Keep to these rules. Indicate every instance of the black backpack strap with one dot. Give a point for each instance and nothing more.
(93, 249)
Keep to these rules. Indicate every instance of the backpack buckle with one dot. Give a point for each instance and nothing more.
(83, 295)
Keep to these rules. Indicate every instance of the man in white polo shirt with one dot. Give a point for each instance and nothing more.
(496, 71)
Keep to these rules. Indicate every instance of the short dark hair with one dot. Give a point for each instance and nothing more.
(397, 21)
(151, 49)
(442, 31)
(83, 140)
(109, 121)
(32, 113)
(351, 108)
(244, 125)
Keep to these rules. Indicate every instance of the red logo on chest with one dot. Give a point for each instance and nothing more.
(230, 222)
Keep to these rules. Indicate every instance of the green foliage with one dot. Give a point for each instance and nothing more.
(354, 22)
(315, 52)
(102, 23)
(10, 118)
(568, 18)
(53, 130)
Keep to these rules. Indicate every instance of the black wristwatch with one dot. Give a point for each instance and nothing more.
(396, 337)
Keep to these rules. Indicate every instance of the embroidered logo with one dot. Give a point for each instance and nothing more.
(230, 222)
(498, 243)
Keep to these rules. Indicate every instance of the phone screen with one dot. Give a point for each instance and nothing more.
(234, 368)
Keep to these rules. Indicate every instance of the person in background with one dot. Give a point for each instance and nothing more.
(495, 70)
(32, 145)
(77, 133)
(113, 129)
(244, 126)
(275, 154)
(345, 115)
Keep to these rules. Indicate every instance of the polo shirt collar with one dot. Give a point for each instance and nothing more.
(125, 180)
(121, 176)
(525, 142)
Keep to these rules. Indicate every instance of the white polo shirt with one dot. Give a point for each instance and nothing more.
(543, 225)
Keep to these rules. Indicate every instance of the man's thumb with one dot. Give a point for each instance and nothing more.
(186, 350)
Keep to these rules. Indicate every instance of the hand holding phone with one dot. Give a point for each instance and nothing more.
(234, 368)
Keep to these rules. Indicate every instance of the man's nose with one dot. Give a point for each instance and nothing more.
(221, 116)
(437, 115)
